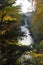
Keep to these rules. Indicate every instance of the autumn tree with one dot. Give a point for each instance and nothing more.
(9, 30)
(9, 20)
(37, 25)
(37, 22)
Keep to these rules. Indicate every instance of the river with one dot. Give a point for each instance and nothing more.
(27, 39)
(26, 6)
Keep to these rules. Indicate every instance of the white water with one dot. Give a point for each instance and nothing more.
(27, 39)
(25, 59)
(26, 5)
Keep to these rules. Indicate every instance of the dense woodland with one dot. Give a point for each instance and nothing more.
(10, 32)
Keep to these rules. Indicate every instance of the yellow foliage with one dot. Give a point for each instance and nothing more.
(9, 42)
(2, 32)
(12, 13)
(35, 55)
(41, 42)
(9, 18)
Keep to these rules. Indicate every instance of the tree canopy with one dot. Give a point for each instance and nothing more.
(9, 31)
(37, 21)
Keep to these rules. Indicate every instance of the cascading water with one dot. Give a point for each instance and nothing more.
(27, 7)
(27, 39)
(25, 59)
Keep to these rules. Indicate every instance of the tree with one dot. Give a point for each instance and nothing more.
(9, 30)
(4, 3)
(9, 19)
(9, 33)
(37, 22)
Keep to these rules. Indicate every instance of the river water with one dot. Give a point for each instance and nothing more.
(27, 39)
(25, 59)
(27, 6)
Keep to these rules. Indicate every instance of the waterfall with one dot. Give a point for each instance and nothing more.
(27, 39)
(26, 22)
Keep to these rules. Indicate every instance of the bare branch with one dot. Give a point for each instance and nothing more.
(6, 4)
